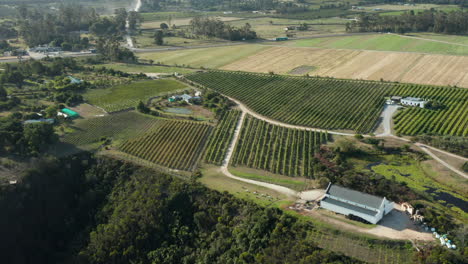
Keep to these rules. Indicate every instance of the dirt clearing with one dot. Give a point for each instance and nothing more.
(357, 64)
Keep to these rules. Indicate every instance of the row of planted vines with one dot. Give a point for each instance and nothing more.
(314, 102)
(222, 136)
(342, 104)
(174, 144)
(277, 149)
(449, 118)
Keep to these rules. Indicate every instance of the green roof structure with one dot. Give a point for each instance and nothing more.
(70, 113)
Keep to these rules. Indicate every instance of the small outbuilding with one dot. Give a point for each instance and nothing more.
(396, 99)
(67, 113)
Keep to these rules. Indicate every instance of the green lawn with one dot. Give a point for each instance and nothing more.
(206, 57)
(387, 42)
(269, 177)
(128, 95)
(137, 68)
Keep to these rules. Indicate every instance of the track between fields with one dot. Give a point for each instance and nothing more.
(245, 110)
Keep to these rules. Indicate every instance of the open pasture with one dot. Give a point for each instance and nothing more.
(174, 144)
(358, 64)
(127, 96)
(116, 127)
(207, 57)
(390, 42)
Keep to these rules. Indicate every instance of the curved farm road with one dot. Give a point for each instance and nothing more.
(396, 228)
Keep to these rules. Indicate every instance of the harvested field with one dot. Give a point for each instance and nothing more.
(358, 64)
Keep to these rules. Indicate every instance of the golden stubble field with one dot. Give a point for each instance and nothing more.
(357, 64)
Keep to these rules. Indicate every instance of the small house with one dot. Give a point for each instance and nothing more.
(413, 101)
(174, 98)
(198, 93)
(353, 203)
(74, 80)
(186, 98)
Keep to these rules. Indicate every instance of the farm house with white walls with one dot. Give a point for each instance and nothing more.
(349, 202)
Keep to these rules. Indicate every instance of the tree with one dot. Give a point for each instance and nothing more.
(142, 108)
(17, 78)
(3, 93)
(159, 38)
(163, 26)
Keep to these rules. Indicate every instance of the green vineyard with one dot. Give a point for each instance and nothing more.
(174, 144)
(277, 149)
(222, 136)
(451, 120)
(313, 102)
(118, 126)
(341, 104)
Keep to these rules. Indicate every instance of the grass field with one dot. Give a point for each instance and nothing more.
(146, 40)
(174, 144)
(118, 127)
(263, 176)
(128, 95)
(358, 64)
(207, 57)
(137, 68)
(388, 42)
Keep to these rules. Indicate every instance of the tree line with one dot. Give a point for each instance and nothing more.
(103, 210)
(212, 27)
(453, 22)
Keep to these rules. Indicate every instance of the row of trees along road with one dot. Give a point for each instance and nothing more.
(453, 22)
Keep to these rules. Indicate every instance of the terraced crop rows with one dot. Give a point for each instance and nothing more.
(174, 144)
(451, 120)
(222, 136)
(314, 102)
(277, 149)
(341, 104)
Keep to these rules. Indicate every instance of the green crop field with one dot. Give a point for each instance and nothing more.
(118, 127)
(222, 136)
(313, 102)
(174, 144)
(128, 95)
(389, 42)
(341, 104)
(451, 120)
(137, 68)
(207, 57)
(277, 149)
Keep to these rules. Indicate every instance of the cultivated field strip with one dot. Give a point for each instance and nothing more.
(451, 119)
(222, 136)
(313, 102)
(341, 104)
(372, 251)
(277, 149)
(404, 67)
(117, 126)
(174, 144)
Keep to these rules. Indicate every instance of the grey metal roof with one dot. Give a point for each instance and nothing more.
(355, 196)
(349, 206)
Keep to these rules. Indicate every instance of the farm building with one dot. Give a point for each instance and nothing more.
(396, 99)
(413, 101)
(42, 120)
(74, 80)
(186, 98)
(67, 113)
(349, 202)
